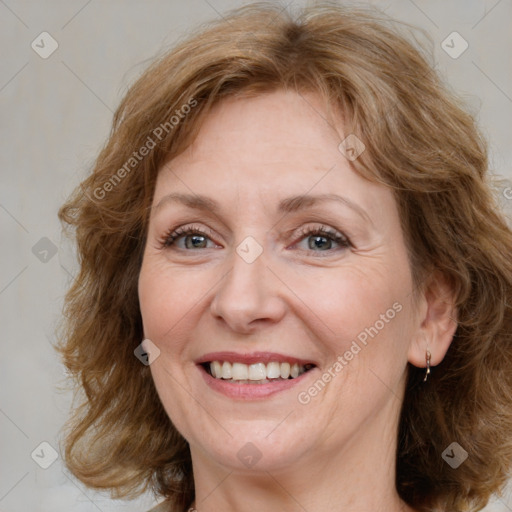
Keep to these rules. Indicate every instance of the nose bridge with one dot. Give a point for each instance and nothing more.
(247, 292)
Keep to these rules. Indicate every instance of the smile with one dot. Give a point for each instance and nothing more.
(255, 373)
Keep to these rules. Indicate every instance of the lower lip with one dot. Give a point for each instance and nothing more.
(250, 391)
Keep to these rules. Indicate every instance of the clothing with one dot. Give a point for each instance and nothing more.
(164, 506)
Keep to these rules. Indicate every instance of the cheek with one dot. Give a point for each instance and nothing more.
(348, 300)
(165, 311)
(153, 301)
(167, 298)
(365, 317)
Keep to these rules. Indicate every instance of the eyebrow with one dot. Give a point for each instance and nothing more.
(287, 205)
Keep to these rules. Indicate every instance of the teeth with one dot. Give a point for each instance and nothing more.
(239, 371)
(217, 369)
(273, 370)
(257, 372)
(226, 370)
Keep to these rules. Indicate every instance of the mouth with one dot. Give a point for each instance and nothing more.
(252, 376)
(255, 373)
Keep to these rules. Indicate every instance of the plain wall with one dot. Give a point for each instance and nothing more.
(56, 114)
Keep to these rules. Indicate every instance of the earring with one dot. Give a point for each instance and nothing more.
(427, 373)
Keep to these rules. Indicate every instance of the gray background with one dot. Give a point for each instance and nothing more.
(56, 113)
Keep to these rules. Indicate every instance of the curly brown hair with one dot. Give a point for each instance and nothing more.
(419, 140)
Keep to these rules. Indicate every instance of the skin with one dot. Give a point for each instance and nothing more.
(336, 452)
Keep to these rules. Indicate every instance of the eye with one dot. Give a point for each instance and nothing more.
(322, 239)
(319, 239)
(192, 236)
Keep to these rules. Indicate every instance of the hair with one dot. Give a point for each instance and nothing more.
(420, 142)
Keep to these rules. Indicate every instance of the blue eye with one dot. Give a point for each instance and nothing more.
(322, 239)
(194, 238)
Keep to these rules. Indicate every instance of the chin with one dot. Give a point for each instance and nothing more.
(249, 450)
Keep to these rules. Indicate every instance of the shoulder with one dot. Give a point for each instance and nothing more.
(164, 506)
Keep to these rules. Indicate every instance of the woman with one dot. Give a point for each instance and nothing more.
(295, 288)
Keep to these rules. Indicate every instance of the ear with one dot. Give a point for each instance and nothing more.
(437, 322)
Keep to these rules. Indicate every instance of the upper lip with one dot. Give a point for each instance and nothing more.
(251, 358)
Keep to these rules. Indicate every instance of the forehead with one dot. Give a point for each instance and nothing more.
(267, 126)
(268, 147)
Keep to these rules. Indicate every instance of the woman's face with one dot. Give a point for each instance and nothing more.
(266, 251)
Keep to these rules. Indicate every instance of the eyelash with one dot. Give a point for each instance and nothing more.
(329, 233)
(173, 235)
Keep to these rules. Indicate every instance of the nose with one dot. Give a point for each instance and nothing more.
(248, 295)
